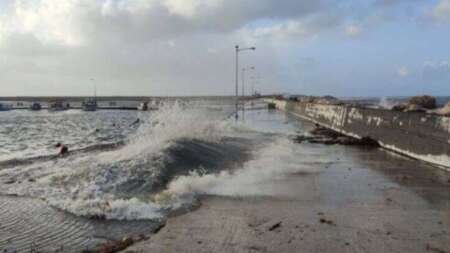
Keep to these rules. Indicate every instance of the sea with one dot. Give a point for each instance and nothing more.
(127, 172)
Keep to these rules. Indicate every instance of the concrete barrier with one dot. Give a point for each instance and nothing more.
(417, 135)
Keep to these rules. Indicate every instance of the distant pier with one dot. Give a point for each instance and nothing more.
(418, 135)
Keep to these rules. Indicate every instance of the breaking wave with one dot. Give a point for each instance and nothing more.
(275, 161)
(178, 152)
(123, 182)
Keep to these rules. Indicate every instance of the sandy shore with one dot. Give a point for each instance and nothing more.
(376, 203)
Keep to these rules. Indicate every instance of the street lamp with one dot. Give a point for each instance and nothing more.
(237, 72)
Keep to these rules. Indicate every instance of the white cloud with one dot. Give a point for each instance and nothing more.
(290, 28)
(48, 20)
(124, 43)
(294, 28)
(353, 30)
(190, 8)
(403, 71)
(212, 50)
(441, 11)
(171, 43)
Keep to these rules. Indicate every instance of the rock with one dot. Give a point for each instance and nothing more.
(367, 141)
(417, 104)
(443, 111)
(426, 102)
(321, 135)
(322, 131)
(302, 138)
(399, 107)
(414, 108)
(344, 140)
(115, 246)
(325, 221)
(431, 248)
(271, 106)
(9, 181)
(273, 225)
(307, 99)
(328, 100)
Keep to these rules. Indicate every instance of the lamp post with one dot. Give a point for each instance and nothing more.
(253, 78)
(237, 74)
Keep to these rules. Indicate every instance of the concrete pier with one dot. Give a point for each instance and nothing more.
(418, 135)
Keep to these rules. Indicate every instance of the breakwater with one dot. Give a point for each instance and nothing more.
(418, 135)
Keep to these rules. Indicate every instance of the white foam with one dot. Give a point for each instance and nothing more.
(276, 161)
(77, 184)
(118, 209)
(386, 103)
(85, 185)
(170, 123)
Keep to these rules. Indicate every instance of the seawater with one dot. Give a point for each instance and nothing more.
(148, 171)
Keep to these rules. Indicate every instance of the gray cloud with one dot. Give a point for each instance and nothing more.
(158, 47)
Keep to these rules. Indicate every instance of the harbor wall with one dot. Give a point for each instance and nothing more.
(418, 135)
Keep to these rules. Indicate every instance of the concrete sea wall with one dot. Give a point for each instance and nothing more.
(417, 135)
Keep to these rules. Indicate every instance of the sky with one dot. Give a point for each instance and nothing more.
(186, 47)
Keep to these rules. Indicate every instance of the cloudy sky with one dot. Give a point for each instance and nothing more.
(186, 47)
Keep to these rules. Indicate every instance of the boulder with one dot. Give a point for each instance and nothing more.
(444, 111)
(327, 100)
(414, 108)
(426, 102)
(399, 107)
(307, 99)
(416, 104)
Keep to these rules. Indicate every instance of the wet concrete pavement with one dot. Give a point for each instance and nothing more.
(364, 200)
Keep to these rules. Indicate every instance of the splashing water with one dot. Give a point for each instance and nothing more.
(120, 184)
(177, 152)
(386, 103)
(276, 161)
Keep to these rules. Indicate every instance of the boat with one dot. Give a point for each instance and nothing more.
(35, 107)
(58, 106)
(90, 105)
(5, 107)
(143, 106)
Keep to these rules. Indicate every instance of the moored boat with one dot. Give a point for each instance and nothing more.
(58, 106)
(35, 106)
(5, 107)
(90, 105)
(143, 106)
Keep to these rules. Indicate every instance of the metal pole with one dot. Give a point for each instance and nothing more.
(253, 86)
(243, 93)
(243, 82)
(237, 80)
